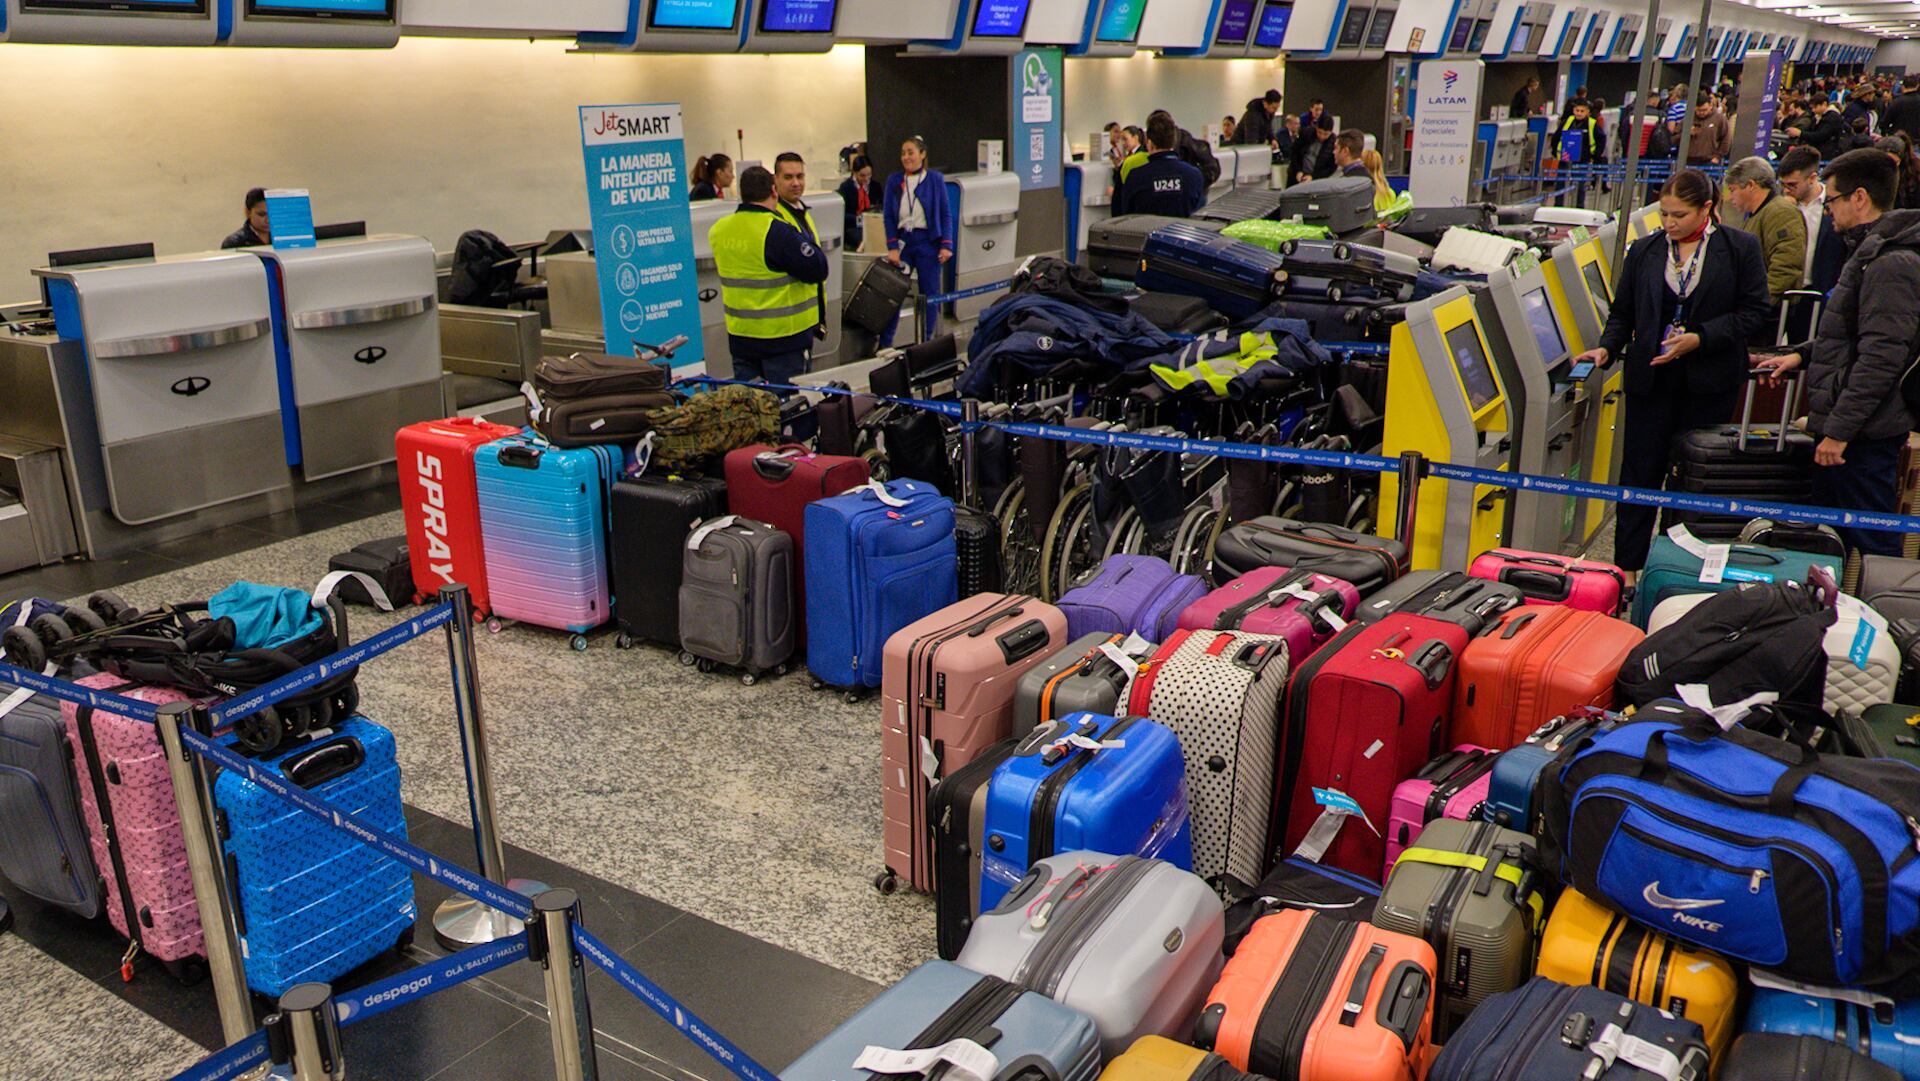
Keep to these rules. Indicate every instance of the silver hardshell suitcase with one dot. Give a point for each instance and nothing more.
(736, 596)
(1082, 678)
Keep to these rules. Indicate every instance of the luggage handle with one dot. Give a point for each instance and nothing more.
(1255, 656)
(1404, 1002)
(1023, 641)
(1754, 375)
(316, 766)
(1514, 627)
(1754, 553)
(774, 467)
(1362, 980)
(1041, 915)
(1543, 585)
(520, 456)
(1434, 661)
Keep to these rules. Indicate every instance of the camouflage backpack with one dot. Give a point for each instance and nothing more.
(705, 426)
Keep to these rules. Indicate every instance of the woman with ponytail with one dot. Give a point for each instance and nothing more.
(712, 176)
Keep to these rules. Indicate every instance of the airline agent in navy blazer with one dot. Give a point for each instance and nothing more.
(1691, 296)
(919, 224)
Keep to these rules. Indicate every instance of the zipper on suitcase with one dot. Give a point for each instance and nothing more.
(1046, 802)
(83, 720)
(1062, 941)
(976, 1007)
(1318, 983)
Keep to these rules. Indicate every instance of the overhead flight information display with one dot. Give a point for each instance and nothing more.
(797, 16)
(120, 7)
(693, 14)
(1236, 22)
(1000, 19)
(1273, 25)
(324, 9)
(1120, 22)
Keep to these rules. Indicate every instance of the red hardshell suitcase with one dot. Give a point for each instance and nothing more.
(441, 504)
(1534, 664)
(1546, 578)
(1363, 714)
(775, 484)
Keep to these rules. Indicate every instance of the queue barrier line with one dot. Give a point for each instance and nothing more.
(670, 1009)
(41, 683)
(968, 294)
(229, 1062)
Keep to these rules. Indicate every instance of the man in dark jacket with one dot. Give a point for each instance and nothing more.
(1904, 114)
(1867, 337)
(1827, 134)
(1194, 152)
(1165, 185)
(1256, 124)
(1799, 172)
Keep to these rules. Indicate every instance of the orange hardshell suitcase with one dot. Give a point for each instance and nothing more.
(1534, 664)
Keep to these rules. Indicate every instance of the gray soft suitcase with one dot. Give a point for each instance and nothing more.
(1082, 678)
(939, 1002)
(1114, 245)
(736, 597)
(1482, 927)
(43, 846)
(1341, 203)
(1890, 586)
(1133, 943)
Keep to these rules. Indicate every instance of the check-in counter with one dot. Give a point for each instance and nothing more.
(573, 291)
(1089, 202)
(1253, 168)
(987, 216)
(1229, 159)
(357, 341)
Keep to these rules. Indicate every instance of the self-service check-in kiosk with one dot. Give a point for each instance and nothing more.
(1445, 400)
(1644, 222)
(986, 210)
(357, 341)
(1089, 202)
(1580, 276)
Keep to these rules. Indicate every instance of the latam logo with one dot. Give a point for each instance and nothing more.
(370, 354)
(191, 385)
(433, 514)
(1448, 78)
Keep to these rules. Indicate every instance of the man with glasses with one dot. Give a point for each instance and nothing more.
(1867, 337)
(1799, 173)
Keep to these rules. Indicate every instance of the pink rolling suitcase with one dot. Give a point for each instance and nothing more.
(1305, 608)
(1551, 579)
(133, 826)
(1453, 785)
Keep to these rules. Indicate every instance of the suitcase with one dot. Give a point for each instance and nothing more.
(946, 695)
(312, 903)
(1427, 224)
(441, 504)
(1743, 461)
(1472, 891)
(1082, 678)
(1453, 785)
(1302, 607)
(1156, 1058)
(1337, 269)
(1891, 725)
(43, 849)
(1546, 578)
(1355, 319)
(1176, 314)
(976, 542)
(1364, 713)
(1246, 204)
(940, 1002)
(133, 829)
(1447, 595)
(1891, 586)
(1586, 943)
(1062, 790)
(1818, 539)
(1672, 570)
(1550, 1030)
(957, 812)
(1131, 594)
(604, 399)
(1886, 1031)
(1220, 692)
(544, 513)
(775, 484)
(877, 565)
(875, 302)
(1341, 203)
(838, 418)
(1849, 687)
(1132, 943)
(1114, 246)
(1295, 883)
(1770, 1056)
(652, 517)
(386, 561)
(1366, 561)
(1906, 635)
(1235, 278)
(736, 597)
(1535, 664)
(1516, 785)
(1320, 999)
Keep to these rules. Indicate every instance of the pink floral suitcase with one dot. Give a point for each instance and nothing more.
(1453, 785)
(1305, 608)
(137, 842)
(1552, 579)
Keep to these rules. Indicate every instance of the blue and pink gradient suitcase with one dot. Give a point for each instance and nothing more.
(544, 517)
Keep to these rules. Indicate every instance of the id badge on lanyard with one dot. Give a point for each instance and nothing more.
(1685, 279)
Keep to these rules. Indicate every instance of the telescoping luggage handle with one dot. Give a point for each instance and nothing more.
(1754, 375)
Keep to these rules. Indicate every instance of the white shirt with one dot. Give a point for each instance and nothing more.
(1812, 210)
(1691, 266)
(912, 214)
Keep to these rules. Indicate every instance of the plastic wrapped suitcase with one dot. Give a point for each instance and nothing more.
(1368, 562)
(1586, 943)
(1244, 204)
(1546, 578)
(957, 817)
(652, 517)
(736, 597)
(1448, 595)
(1891, 585)
(441, 504)
(1086, 781)
(1114, 245)
(1770, 1056)
(1453, 785)
(876, 299)
(775, 484)
(1534, 664)
(1337, 269)
(1886, 1031)
(1132, 943)
(1472, 891)
(133, 828)
(1299, 884)
(1085, 677)
(1851, 686)
(1220, 692)
(946, 695)
(1551, 1030)
(544, 513)
(1341, 203)
(1295, 605)
(940, 1002)
(313, 903)
(1514, 788)
(1129, 594)
(881, 558)
(1235, 278)
(1320, 999)
(1364, 713)
(1156, 1058)
(1671, 569)
(43, 849)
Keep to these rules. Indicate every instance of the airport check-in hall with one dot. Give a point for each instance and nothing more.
(964, 539)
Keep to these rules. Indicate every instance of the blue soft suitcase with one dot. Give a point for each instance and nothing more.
(1030, 1035)
(873, 566)
(1887, 1032)
(1061, 791)
(1671, 570)
(1513, 789)
(43, 844)
(544, 521)
(1234, 277)
(315, 904)
(1546, 1030)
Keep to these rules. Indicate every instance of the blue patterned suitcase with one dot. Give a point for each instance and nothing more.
(313, 903)
(1234, 277)
(873, 566)
(544, 519)
(1887, 1032)
(1061, 791)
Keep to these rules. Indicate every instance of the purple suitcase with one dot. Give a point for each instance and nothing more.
(1130, 594)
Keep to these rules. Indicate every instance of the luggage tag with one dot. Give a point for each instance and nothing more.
(1697, 696)
(1713, 557)
(1339, 807)
(965, 1059)
(535, 411)
(880, 492)
(1775, 982)
(1872, 626)
(1614, 1045)
(1295, 589)
(642, 455)
(331, 582)
(1086, 743)
(707, 529)
(1127, 655)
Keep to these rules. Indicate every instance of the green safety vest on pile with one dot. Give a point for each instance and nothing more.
(761, 302)
(1220, 371)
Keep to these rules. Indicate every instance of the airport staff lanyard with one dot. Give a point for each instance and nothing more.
(1684, 278)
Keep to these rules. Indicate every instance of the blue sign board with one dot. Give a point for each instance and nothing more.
(1000, 19)
(1769, 103)
(290, 218)
(636, 160)
(1036, 151)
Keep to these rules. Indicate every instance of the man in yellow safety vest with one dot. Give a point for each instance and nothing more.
(769, 278)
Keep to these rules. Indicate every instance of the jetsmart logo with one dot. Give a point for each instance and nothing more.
(433, 514)
(609, 123)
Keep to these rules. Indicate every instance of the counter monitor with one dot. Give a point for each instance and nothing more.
(1354, 30)
(1592, 39)
(1273, 24)
(1546, 328)
(1478, 40)
(1120, 21)
(339, 230)
(1536, 36)
(1470, 359)
(118, 7)
(1236, 22)
(797, 16)
(1000, 19)
(378, 10)
(1381, 29)
(693, 15)
(1462, 27)
(1597, 285)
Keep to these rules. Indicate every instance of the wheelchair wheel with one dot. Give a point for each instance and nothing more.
(1052, 551)
(1129, 535)
(1070, 542)
(877, 466)
(1194, 540)
(1019, 552)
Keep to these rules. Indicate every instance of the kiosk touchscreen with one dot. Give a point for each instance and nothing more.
(1581, 275)
(1446, 399)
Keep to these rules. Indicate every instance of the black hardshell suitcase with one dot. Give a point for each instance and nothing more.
(875, 302)
(1114, 245)
(1427, 224)
(1367, 561)
(957, 811)
(43, 845)
(1891, 586)
(652, 517)
(1771, 1056)
(1474, 603)
(1336, 269)
(1341, 203)
(1235, 278)
(1742, 461)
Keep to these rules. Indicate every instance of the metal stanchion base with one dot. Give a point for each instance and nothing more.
(461, 922)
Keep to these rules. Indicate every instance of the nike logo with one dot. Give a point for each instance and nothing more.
(1657, 899)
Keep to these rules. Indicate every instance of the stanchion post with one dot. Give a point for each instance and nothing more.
(193, 795)
(969, 481)
(550, 945)
(1413, 470)
(461, 921)
(305, 1034)
(920, 307)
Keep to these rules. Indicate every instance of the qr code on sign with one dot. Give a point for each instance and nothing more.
(1037, 146)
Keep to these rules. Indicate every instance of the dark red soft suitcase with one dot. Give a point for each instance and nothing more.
(1363, 714)
(775, 484)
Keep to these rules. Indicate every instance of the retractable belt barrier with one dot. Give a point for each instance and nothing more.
(966, 294)
(722, 1050)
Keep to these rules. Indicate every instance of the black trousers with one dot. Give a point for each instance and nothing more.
(1868, 480)
(1653, 421)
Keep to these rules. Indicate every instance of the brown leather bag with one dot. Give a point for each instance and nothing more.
(594, 375)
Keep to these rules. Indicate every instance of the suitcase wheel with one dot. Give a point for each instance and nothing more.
(1335, 294)
(578, 642)
(749, 679)
(495, 626)
(1342, 251)
(187, 971)
(623, 640)
(688, 659)
(404, 942)
(887, 883)
(23, 648)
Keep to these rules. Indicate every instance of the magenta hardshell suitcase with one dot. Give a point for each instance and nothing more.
(1305, 608)
(1453, 785)
(1546, 578)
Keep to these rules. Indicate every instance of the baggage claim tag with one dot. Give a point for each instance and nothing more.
(1339, 807)
(965, 1059)
(1712, 557)
(1872, 626)
(1307, 596)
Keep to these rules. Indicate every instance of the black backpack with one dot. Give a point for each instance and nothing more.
(1199, 155)
(1763, 636)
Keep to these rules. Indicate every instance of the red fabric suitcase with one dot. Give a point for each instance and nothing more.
(1549, 579)
(775, 484)
(441, 504)
(1363, 714)
(1535, 664)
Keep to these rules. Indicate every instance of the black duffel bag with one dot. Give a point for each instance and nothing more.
(1761, 637)
(1367, 561)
